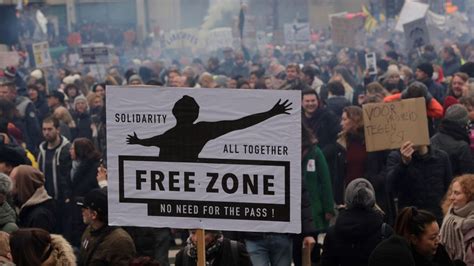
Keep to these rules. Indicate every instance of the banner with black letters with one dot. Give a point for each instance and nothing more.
(217, 159)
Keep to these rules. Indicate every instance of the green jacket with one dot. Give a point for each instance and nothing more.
(318, 183)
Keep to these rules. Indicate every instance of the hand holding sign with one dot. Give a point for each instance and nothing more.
(281, 108)
(407, 151)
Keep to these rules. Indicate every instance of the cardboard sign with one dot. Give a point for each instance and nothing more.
(416, 34)
(347, 32)
(95, 55)
(9, 59)
(219, 38)
(297, 33)
(209, 158)
(41, 55)
(389, 125)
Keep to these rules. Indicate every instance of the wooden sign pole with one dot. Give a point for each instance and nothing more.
(201, 247)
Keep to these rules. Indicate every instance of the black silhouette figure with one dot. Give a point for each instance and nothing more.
(185, 141)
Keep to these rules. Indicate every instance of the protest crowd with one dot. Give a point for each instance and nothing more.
(412, 205)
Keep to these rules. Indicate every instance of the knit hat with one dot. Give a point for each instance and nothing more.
(58, 95)
(360, 194)
(5, 184)
(134, 77)
(37, 74)
(457, 113)
(394, 251)
(427, 68)
(80, 98)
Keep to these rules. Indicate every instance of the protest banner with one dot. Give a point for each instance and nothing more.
(416, 34)
(297, 33)
(41, 55)
(347, 32)
(219, 38)
(227, 159)
(93, 55)
(411, 11)
(9, 59)
(181, 39)
(389, 125)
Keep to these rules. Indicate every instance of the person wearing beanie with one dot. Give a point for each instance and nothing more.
(220, 251)
(453, 138)
(135, 80)
(82, 118)
(36, 207)
(424, 74)
(7, 214)
(392, 81)
(359, 228)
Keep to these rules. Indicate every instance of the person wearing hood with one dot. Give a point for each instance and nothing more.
(36, 207)
(82, 118)
(7, 214)
(359, 228)
(453, 138)
(35, 246)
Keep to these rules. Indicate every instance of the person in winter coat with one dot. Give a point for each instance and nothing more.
(220, 251)
(424, 73)
(336, 100)
(351, 154)
(358, 228)
(82, 118)
(453, 138)
(415, 242)
(102, 244)
(36, 207)
(318, 182)
(41, 105)
(456, 89)
(419, 176)
(34, 246)
(85, 162)
(7, 214)
(457, 230)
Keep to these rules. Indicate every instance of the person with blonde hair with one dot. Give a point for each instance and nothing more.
(66, 123)
(457, 230)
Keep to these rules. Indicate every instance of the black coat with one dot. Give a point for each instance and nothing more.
(83, 126)
(421, 183)
(337, 104)
(39, 216)
(455, 141)
(85, 178)
(223, 257)
(326, 127)
(353, 238)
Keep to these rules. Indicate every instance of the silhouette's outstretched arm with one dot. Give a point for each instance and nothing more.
(220, 128)
(153, 141)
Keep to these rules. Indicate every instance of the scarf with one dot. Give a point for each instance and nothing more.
(454, 130)
(456, 223)
(211, 251)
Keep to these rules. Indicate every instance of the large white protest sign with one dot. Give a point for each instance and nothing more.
(204, 158)
(411, 10)
(297, 33)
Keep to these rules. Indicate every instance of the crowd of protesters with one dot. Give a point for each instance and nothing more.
(408, 206)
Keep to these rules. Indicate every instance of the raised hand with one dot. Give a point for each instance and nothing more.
(281, 108)
(407, 151)
(133, 139)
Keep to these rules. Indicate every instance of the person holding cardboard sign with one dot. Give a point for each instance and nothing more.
(420, 176)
